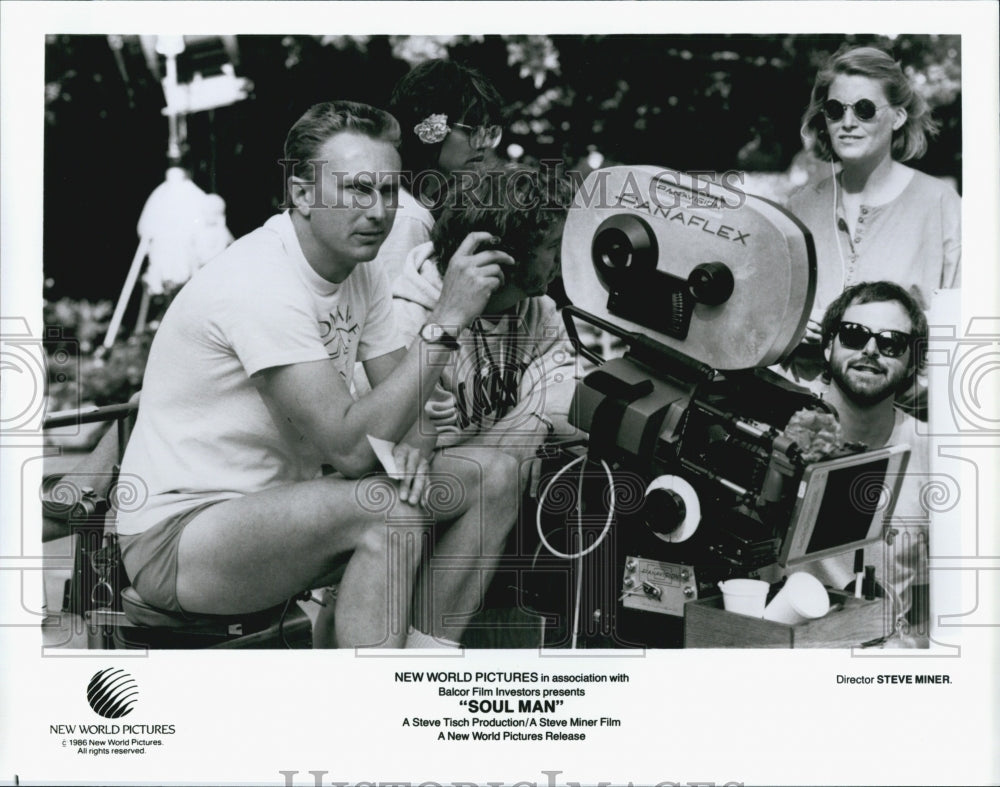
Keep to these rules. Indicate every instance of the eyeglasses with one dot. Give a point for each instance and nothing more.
(434, 128)
(481, 136)
(891, 344)
(863, 109)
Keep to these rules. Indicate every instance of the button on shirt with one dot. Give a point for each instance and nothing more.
(914, 240)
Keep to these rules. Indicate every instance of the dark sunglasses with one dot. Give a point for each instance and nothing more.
(481, 136)
(891, 344)
(864, 109)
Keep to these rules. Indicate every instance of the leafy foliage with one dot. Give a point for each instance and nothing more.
(77, 369)
(693, 102)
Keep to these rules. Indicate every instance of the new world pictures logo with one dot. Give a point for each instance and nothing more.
(112, 693)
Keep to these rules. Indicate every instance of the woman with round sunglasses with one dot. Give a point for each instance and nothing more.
(874, 218)
(450, 119)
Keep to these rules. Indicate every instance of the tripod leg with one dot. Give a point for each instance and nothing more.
(123, 299)
(140, 323)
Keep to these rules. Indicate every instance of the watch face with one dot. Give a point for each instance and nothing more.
(433, 333)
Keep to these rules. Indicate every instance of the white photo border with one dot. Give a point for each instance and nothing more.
(747, 717)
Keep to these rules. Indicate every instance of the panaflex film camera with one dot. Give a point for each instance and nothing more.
(705, 287)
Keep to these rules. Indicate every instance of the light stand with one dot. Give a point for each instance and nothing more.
(180, 226)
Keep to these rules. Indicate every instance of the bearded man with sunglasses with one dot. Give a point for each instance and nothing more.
(874, 339)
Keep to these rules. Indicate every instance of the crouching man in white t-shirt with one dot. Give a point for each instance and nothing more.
(247, 394)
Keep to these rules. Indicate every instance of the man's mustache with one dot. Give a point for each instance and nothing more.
(868, 363)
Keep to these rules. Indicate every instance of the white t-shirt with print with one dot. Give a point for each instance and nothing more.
(204, 432)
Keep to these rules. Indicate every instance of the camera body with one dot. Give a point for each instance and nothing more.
(724, 277)
(706, 286)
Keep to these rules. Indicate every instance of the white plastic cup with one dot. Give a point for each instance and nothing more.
(802, 598)
(744, 596)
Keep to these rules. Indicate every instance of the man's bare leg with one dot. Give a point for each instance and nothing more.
(464, 556)
(255, 551)
(384, 568)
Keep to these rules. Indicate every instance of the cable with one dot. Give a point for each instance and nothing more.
(607, 524)
(578, 556)
(578, 596)
(281, 624)
(836, 231)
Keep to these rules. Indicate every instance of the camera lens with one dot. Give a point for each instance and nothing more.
(623, 245)
(711, 283)
(664, 511)
(616, 251)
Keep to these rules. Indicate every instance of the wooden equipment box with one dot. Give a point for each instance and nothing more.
(708, 625)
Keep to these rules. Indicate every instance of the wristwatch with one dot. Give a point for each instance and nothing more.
(433, 333)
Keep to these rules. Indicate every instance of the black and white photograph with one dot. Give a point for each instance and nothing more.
(588, 393)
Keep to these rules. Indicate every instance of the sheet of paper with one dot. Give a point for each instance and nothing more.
(383, 451)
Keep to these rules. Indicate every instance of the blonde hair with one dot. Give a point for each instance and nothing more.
(909, 141)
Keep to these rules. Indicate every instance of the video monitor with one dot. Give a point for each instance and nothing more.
(843, 503)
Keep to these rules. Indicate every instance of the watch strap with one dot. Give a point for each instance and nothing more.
(440, 335)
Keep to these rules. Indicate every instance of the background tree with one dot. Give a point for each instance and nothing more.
(702, 102)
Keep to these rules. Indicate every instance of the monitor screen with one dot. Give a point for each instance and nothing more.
(842, 503)
(849, 502)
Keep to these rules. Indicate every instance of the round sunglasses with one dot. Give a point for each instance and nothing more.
(863, 109)
(891, 344)
(481, 136)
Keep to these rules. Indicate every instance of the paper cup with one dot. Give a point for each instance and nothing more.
(802, 598)
(744, 596)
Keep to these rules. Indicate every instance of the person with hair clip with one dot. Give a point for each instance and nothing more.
(450, 116)
(510, 383)
(874, 218)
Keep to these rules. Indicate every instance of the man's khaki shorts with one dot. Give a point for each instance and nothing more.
(150, 559)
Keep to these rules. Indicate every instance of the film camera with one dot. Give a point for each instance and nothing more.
(691, 475)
